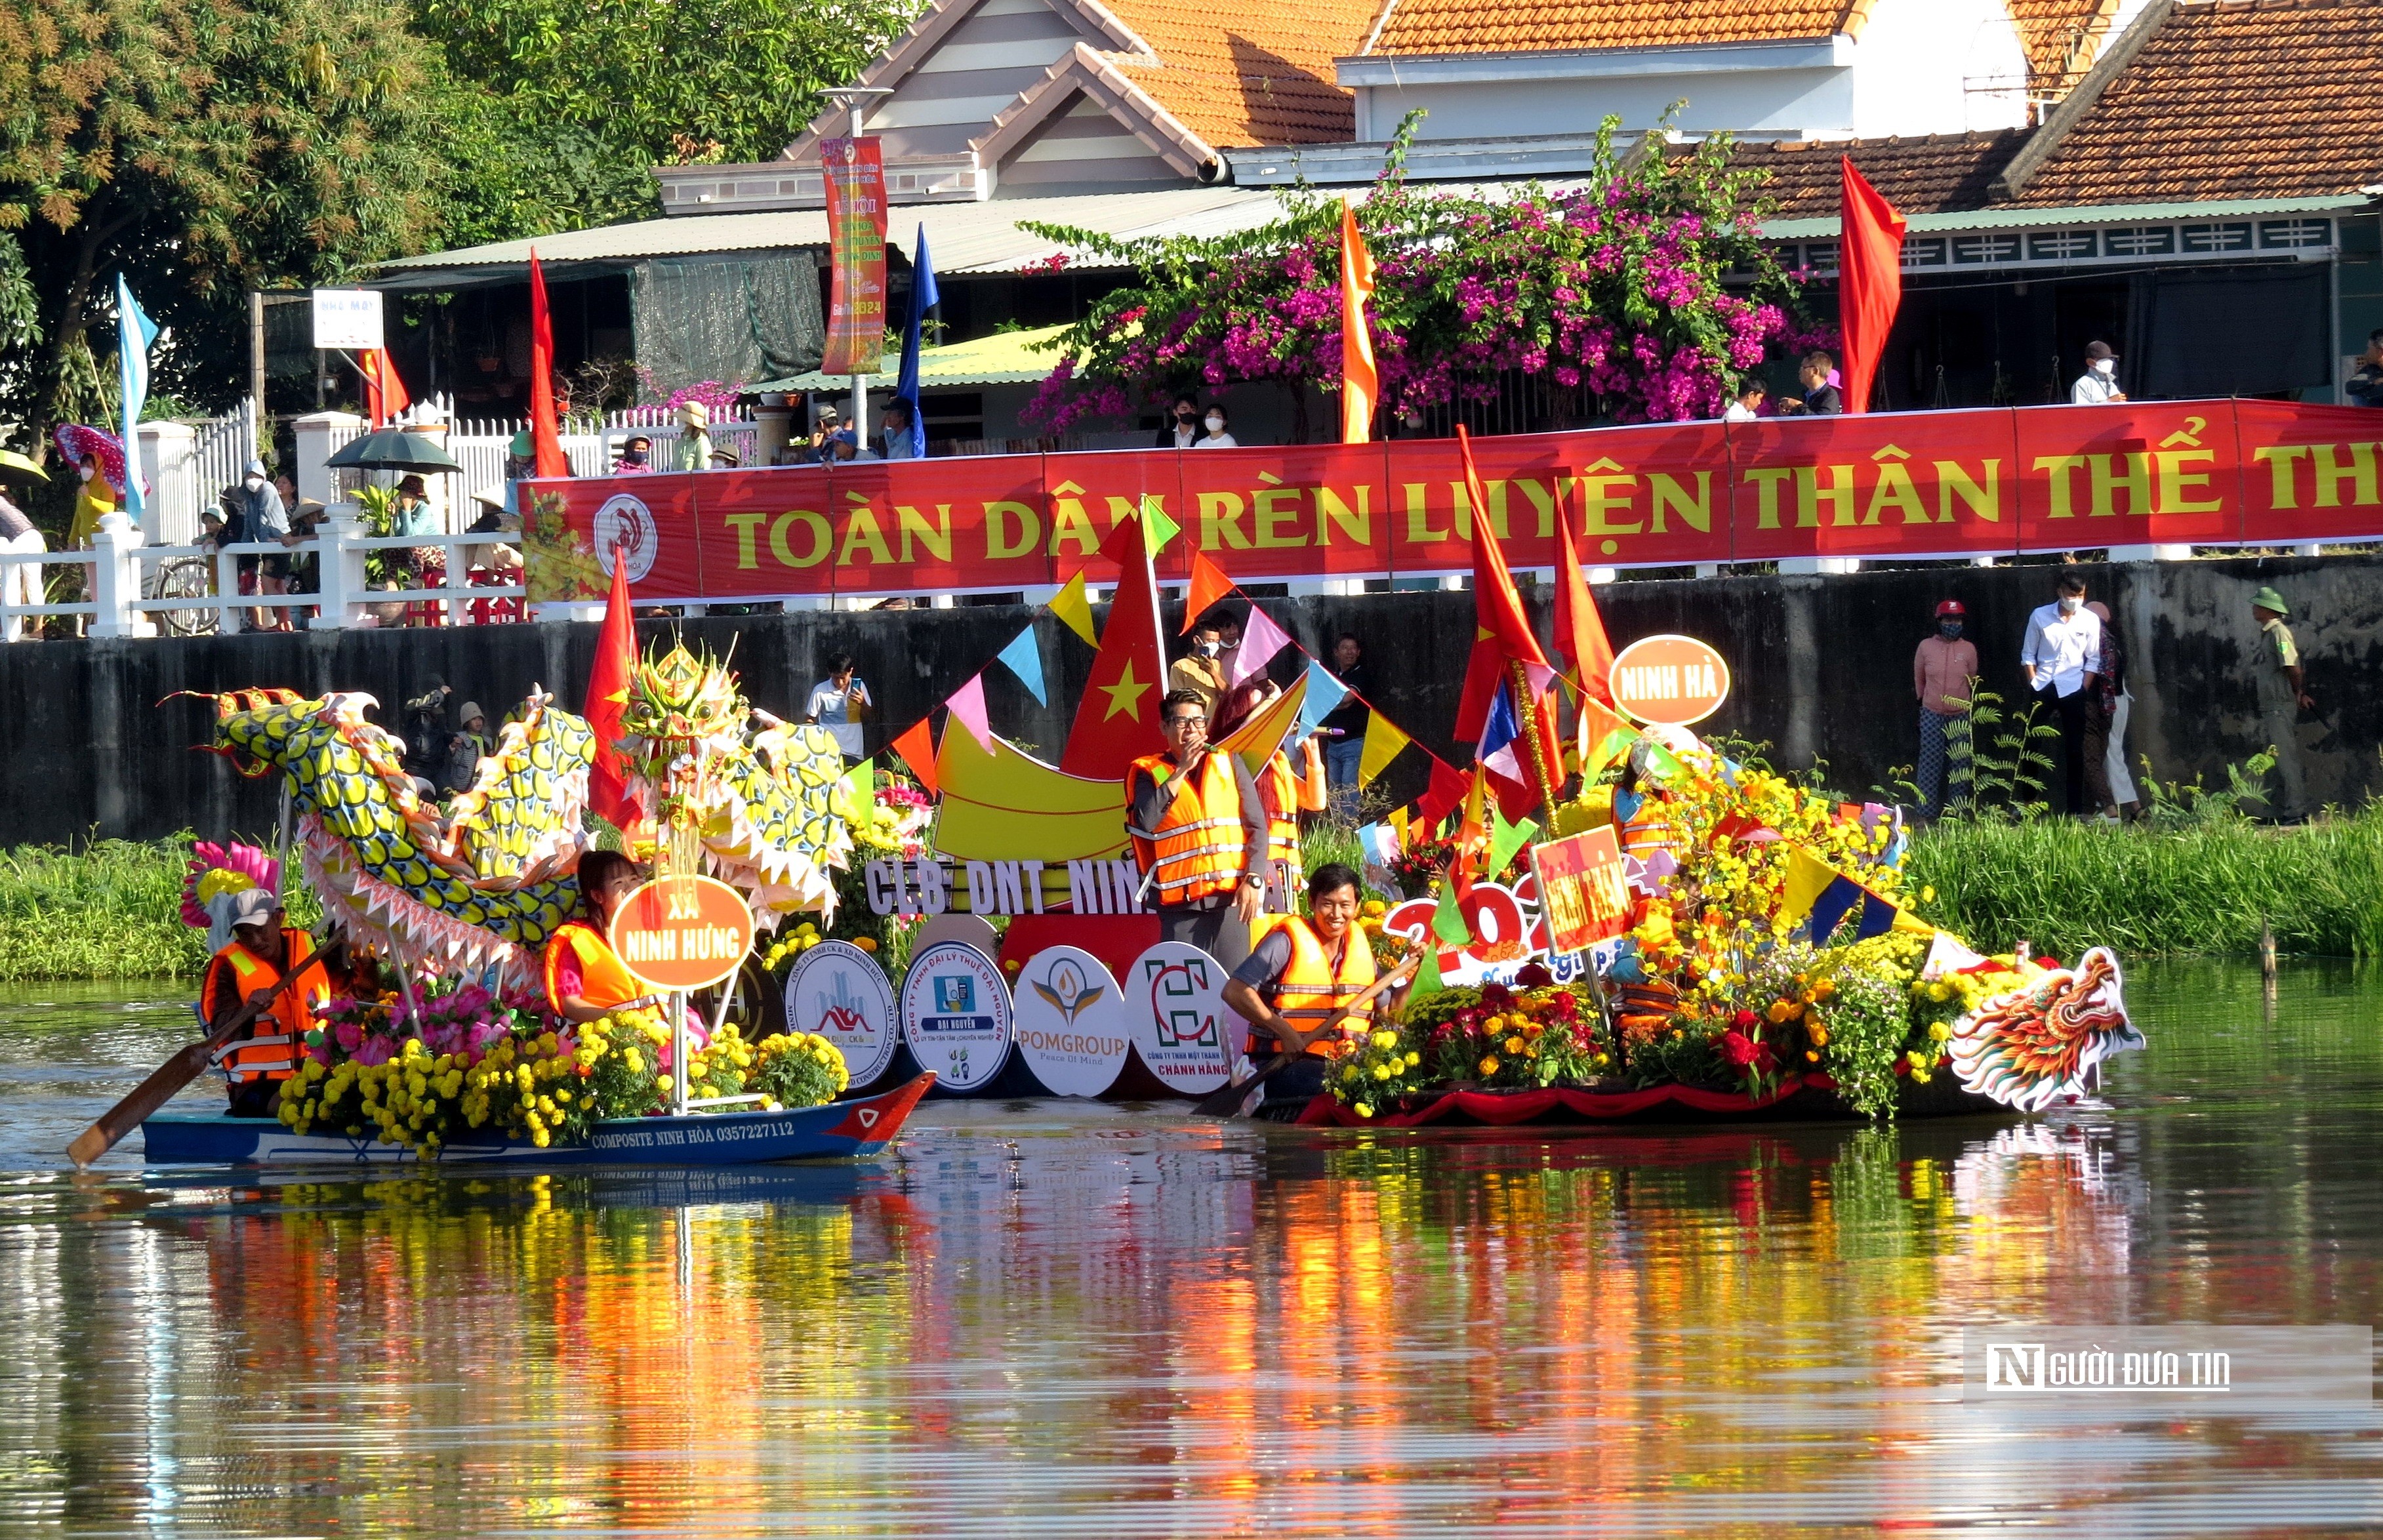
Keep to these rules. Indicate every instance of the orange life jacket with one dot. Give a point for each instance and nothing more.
(603, 980)
(1196, 850)
(1649, 829)
(269, 1047)
(1311, 989)
(1286, 794)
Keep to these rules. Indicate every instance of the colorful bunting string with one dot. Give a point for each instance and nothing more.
(1261, 639)
(1024, 656)
(1383, 742)
(916, 747)
(967, 704)
(1074, 608)
(1323, 696)
(1208, 585)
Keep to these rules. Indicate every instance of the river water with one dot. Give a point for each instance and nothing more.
(1056, 1319)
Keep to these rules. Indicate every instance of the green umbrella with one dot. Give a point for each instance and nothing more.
(11, 460)
(393, 449)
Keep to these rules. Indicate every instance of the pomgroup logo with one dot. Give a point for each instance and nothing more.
(1071, 1022)
(626, 520)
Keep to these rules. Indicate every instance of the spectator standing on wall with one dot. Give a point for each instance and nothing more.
(1746, 405)
(1181, 429)
(1216, 437)
(2098, 386)
(1202, 670)
(1943, 672)
(465, 748)
(2062, 655)
(694, 437)
(1821, 397)
(263, 518)
(838, 703)
(2118, 705)
(895, 424)
(2283, 695)
(427, 736)
(2365, 384)
(1344, 725)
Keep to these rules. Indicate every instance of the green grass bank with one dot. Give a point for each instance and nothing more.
(112, 910)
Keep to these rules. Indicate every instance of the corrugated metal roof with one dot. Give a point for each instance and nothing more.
(1005, 358)
(963, 237)
(2103, 214)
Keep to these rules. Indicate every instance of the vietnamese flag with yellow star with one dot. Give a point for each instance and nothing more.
(1117, 722)
(607, 702)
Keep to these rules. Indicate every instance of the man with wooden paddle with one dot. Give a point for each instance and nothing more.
(1303, 985)
(260, 996)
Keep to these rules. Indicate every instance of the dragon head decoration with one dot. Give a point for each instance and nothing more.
(2030, 1046)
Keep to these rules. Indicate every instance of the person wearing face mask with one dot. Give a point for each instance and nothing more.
(2098, 386)
(1202, 670)
(93, 502)
(1181, 429)
(2062, 655)
(1943, 674)
(262, 518)
(1216, 437)
(636, 457)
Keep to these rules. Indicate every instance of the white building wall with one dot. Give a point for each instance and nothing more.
(1917, 59)
(1778, 102)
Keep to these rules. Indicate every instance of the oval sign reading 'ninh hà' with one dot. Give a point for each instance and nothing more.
(1671, 680)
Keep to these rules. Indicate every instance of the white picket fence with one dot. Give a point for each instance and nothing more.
(133, 588)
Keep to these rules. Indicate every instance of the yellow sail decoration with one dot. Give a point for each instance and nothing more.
(1012, 807)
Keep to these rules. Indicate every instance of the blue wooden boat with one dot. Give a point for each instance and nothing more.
(859, 1127)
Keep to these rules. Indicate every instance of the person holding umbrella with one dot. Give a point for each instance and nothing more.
(98, 460)
(21, 584)
(393, 449)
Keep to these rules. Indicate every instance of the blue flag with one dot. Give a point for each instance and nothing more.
(922, 298)
(1324, 693)
(134, 332)
(1025, 659)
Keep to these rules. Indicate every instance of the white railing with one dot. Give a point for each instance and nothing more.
(591, 444)
(220, 452)
(137, 589)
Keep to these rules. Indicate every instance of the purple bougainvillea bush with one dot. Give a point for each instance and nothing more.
(1611, 287)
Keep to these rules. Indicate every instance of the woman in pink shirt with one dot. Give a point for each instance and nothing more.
(1943, 673)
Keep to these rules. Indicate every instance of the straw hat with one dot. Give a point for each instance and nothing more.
(694, 414)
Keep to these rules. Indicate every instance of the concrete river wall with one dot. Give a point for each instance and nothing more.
(91, 744)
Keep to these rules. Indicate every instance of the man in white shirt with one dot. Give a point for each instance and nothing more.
(2098, 386)
(2063, 658)
(838, 703)
(1746, 405)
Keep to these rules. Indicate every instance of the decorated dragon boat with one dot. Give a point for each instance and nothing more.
(1683, 934)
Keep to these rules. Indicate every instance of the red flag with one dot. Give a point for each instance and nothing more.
(1117, 722)
(1361, 384)
(385, 394)
(608, 701)
(1869, 280)
(1209, 583)
(1580, 631)
(1443, 796)
(917, 748)
(1501, 631)
(545, 438)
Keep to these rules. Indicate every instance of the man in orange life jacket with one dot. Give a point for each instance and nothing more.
(1299, 986)
(1198, 831)
(262, 950)
(585, 978)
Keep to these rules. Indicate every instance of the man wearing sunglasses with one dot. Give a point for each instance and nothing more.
(1199, 831)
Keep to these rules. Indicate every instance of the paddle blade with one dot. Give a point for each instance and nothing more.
(163, 1085)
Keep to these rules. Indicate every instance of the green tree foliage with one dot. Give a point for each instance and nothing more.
(201, 147)
(585, 94)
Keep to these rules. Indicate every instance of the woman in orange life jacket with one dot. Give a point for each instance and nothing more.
(1299, 987)
(1284, 793)
(260, 950)
(585, 978)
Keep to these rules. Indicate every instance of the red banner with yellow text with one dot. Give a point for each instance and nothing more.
(1890, 486)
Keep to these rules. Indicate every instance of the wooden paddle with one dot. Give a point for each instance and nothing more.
(1226, 1102)
(168, 1079)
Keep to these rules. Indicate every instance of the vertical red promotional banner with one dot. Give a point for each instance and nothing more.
(767, 534)
(2309, 472)
(854, 170)
(2132, 473)
(1891, 484)
(1089, 493)
(1303, 511)
(945, 526)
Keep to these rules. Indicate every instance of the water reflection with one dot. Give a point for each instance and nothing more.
(1048, 1320)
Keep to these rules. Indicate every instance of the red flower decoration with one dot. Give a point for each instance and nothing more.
(1744, 1021)
(1533, 975)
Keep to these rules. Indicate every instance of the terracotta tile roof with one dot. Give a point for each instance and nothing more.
(1256, 75)
(2061, 38)
(1939, 174)
(2229, 99)
(1522, 26)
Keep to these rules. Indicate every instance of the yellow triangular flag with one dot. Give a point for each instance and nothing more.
(1072, 607)
(1256, 739)
(1808, 878)
(1383, 741)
